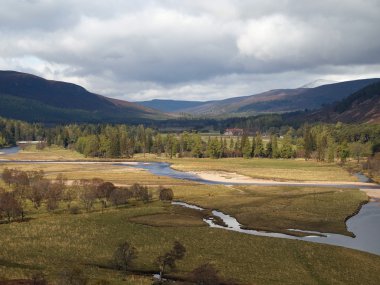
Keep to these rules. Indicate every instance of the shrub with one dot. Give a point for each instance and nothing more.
(166, 194)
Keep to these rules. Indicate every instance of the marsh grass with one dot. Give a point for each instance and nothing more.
(279, 208)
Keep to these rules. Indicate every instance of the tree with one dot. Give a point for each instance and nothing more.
(287, 147)
(140, 192)
(87, 195)
(104, 191)
(165, 194)
(358, 150)
(169, 259)
(10, 206)
(308, 142)
(205, 274)
(322, 144)
(54, 195)
(259, 146)
(247, 149)
(37, 192)
(70, 194)
(214, 148)
(124, 256)
(343, 152)
(331, 150)
(120, 196)
(196, 148)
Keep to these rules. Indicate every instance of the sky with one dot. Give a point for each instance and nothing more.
(190, 49)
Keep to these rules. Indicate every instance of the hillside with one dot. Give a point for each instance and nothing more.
(362, 106)
(280, 100)
(32, 98)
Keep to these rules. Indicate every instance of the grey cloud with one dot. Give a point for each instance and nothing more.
(193, 49)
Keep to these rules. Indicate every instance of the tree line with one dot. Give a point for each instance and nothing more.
(324, 142)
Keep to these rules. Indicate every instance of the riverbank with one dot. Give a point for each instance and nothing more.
(233, 177)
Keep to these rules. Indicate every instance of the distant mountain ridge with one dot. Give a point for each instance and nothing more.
(274, 101)
(169, 105)
(317, 83)
(32, 98)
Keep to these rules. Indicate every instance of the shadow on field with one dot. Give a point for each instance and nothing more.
(7, 263)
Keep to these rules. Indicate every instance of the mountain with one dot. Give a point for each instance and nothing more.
(317, 83)
(28, 97)
(362, 106)
(280, 100)
(169, 105)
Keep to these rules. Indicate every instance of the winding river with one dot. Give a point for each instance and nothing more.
(365, 225)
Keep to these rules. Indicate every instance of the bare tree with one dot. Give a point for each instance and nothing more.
(120, 196)
(88, 193)
(104, 191)
(169, 258)
(37, 192)
(54, 195)
(70, 194)
(10, 206)
(124, 256)
(141, 192)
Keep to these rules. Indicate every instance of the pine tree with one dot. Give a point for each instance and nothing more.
(247, 149)
(259, 146)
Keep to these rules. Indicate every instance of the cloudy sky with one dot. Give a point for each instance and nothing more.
(190, 49)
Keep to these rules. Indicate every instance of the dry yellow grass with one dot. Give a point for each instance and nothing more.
(282, 170)
(121, 175)
(48, 153)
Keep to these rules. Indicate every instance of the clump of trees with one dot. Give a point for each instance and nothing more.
(32, 186)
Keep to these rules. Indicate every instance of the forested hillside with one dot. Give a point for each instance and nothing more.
(34, 99)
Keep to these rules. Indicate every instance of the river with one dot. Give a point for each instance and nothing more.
(365, 225)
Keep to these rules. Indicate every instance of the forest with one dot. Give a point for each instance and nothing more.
(323, 142)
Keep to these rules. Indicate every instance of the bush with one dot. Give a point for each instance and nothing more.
(206, 274)
(166, 194)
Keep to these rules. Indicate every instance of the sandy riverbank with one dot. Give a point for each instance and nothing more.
(226, 177)
(230, 177)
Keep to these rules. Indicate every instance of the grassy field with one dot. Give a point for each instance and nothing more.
(278, 169)
(88, 240)
(49, 153)
(50, 241)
